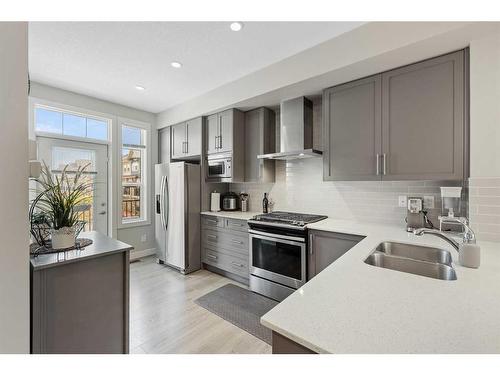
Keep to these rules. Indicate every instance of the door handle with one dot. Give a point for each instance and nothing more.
(215, 143)
(377, 163)
(236, 241)
(237, 264)
(384, 164)
(211, 256)
(212, 236)
(187, 147)
(311, 251)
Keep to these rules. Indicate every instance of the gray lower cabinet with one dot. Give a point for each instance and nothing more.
(325, 248)
(225, 246)
(260, 138)
(186, 139)
(81, 307)
(404, 124)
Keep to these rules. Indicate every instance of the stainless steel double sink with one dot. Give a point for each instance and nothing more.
(414, 259)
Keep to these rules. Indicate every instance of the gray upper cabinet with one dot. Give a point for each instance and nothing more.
(226, 130)
(326, 247)
(423, 120)
(164, 145)
(404, 124)
(352, 130)
(186, 139)
(212, 134)
(260, 138)
(178, 135)
(193, 137)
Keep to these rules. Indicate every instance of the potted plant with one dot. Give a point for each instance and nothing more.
(60, 203)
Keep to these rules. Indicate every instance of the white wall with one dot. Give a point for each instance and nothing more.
(484, 183)
(14, 251)
(485, 106)
(131, 235)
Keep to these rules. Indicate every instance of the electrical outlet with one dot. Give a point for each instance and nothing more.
(144, 237)
(428, 201)
(402, 201)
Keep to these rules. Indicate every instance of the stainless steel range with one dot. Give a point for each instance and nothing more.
(278, 252)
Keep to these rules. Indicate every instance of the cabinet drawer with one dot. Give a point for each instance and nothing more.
(235, 224)
(231, 240)
(212, 222)
(224, 261)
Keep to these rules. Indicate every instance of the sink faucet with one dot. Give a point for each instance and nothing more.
(468, 234)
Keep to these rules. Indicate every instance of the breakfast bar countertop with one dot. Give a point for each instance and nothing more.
(353, 307)
(102, 245)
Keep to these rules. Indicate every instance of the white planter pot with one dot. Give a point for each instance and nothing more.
(63, 238)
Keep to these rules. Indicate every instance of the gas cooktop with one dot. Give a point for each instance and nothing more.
(287, 218)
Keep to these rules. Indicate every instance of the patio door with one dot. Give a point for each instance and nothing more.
(57, 153)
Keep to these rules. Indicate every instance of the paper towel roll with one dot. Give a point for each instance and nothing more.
(215, 202)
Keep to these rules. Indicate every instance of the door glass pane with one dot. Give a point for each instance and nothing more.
(280, 258)
(75, 158)
(97, 129)
(131, 202)
(131, 136)
(74, 125)
(48, 121)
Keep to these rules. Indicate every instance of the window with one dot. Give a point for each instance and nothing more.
(133, 155)
(56, 121)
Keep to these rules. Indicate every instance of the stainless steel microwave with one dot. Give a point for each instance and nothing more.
(219, 167)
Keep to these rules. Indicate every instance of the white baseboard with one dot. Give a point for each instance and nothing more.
(136, 254)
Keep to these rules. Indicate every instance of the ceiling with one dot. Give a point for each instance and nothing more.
(107, 60)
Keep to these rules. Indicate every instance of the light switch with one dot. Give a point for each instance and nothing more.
(402, 201)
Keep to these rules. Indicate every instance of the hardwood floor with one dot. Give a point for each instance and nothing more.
(165, 319)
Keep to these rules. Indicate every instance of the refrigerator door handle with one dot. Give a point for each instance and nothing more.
(159, 202)
(165, 196)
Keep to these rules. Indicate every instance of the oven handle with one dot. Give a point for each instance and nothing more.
(266, 235)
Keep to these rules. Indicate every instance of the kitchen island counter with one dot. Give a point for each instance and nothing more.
(353, 307)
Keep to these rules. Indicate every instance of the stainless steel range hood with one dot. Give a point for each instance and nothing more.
(296, 131)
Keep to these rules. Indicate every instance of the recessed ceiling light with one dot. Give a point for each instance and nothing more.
(140, 88)
(236, 26)
(176, 64)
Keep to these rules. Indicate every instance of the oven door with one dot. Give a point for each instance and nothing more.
(278, 258)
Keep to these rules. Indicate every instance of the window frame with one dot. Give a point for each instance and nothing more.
(63, 109)
(145, 173)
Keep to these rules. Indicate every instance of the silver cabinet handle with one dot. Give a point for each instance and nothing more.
(311, 251)
(215, 142)
(211, 221)
(384, 165)
(377, 164)
(236, 241)
(102, 213)
(237, 264)
(212, 236)
(211, 256)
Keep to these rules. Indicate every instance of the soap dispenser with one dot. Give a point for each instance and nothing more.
(469, 253)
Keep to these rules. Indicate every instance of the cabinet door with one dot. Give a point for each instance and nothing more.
(226, 130)
(327, 247)
(254, 121)
(260, 135)
(164, 145)
(212, 134)
(352, 130)
(193, 137)
(423, 120)
(178, 135)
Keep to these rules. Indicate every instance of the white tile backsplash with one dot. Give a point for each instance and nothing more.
(300, 187)
(484, 207)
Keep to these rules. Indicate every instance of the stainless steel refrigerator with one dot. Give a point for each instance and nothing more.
(177, 209)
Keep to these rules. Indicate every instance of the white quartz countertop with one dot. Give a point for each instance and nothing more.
(353, 307)
(232, 214)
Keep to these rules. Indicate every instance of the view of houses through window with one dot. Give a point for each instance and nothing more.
(133, 152)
